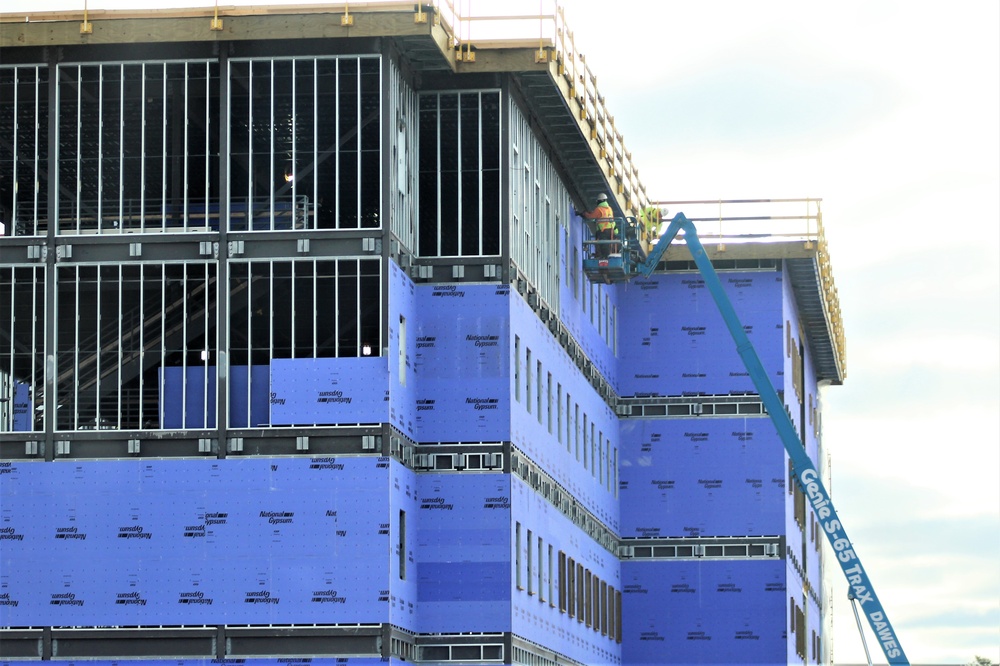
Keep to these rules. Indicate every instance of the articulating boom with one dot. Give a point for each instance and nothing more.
(630, 263)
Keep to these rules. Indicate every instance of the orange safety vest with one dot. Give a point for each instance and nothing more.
(605, 216)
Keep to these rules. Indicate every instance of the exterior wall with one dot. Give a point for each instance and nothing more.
(701, 477)
(547, 544)
(698, 612)
(403, 350)
(804, 533)
(348, 339)
(559, 421)
(193, 542)
(463, 553)
(461, 364)
(674, 342)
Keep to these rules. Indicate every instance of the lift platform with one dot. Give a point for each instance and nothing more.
(616, 260)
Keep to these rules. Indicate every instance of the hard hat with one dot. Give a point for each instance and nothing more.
(664, 211)
(602, 197)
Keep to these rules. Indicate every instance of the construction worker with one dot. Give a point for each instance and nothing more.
(651, 217)
(604, 218)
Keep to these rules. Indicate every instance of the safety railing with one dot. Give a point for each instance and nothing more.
(555, 42)
(770, 220)
(750, 220)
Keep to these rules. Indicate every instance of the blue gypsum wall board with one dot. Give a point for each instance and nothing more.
(236, 541)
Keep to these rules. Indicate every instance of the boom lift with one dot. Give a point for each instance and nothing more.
(623, 259)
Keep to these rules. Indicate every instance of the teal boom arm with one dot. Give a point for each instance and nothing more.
(804, 470)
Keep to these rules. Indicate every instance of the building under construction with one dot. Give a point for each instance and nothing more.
(299, 361)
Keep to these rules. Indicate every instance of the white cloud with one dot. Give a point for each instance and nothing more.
(953, 352)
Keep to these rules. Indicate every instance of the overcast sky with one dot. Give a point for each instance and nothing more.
(890, 112)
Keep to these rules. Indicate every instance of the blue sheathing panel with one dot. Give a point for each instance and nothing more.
(402, 585)
(256, 392)
(22, 410)
(237, 541)
(577, 445)
(463, 553)
(673, 341)
(402, 371)
(535, 602)
(188, 397)
(704, 612)
(328, 391)
(701, 477)
(183, 404)
(462, 364)
(585, 307)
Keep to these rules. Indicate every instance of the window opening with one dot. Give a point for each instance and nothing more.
(530, 569)
(517, 556)
(402, 350)
(517, 368)
(402, 545)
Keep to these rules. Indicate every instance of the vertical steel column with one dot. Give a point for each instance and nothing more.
(315, 308)
(178, 118)
(141, 319)
(291, 286)
(222, 278)
(142, 178)
(208, 147)
(315, 150)
(387, 129)
(270, 186)
(206, 354)
(163, 345)
(336, 135)
(458, 173)
(293, 172)
(336, 305)
(505, 198)
(185, 290)
(79, 144)
(99, 213)
(481, 249)
(251, 153)
(437, 162)
(164, 155)
(49, 392)
(357, 302)
(121, 167)
(15, 154)
(121, 357)
(185, 157)
(359, 121)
